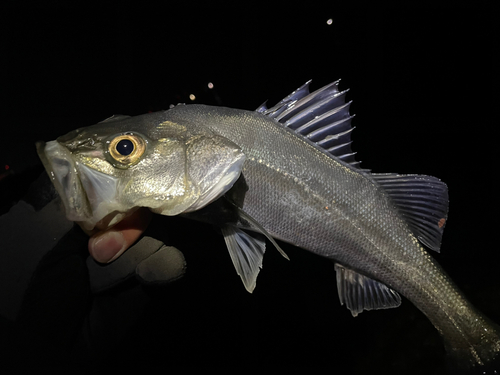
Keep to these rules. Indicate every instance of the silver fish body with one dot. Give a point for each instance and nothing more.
(302, 195)
(298, 192)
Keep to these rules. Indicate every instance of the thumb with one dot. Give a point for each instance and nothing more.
(108, 245)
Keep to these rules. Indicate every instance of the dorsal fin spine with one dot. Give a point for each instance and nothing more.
(324, 130)
(309, 114)
(318, 94)
(330, 117)
(334, 148)
(321, 116)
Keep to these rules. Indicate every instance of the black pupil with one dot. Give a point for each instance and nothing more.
(125, 147)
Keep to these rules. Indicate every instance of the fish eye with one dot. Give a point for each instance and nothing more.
(127, 149)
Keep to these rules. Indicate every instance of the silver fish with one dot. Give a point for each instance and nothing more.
(280, 170)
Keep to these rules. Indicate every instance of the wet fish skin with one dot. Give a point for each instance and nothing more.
(299, 193)
(321, 204)
(98, 192)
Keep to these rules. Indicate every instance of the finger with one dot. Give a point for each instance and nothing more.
(108, 245)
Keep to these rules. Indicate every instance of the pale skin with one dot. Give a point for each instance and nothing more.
(106, 246)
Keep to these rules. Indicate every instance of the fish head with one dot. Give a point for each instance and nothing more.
(106, 171)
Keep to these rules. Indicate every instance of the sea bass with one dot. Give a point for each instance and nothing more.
(287, 173)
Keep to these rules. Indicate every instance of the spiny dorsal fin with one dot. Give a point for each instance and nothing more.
(322, 117)
(423, 202)
(360, 293)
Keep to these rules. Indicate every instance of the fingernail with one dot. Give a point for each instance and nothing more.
(107, 247)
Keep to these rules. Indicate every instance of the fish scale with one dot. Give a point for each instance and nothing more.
(303, 186)
(289, 190)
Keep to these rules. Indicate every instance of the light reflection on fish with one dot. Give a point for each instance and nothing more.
(288, 173)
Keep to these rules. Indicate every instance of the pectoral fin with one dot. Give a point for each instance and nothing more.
(360, 293)
(247, 248)
(261, 229)
(246, 251)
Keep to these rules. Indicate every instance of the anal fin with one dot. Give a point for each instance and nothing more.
(360, 293)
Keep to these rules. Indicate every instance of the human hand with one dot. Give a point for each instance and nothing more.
(119, 254)
(108, 245)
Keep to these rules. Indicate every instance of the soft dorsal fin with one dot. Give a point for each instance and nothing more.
(360, 293)
(423, 202)
(322, 117)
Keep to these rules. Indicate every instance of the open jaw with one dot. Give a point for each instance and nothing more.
(89, 196)
(98, 200)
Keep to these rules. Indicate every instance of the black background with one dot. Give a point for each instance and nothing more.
(425, 90)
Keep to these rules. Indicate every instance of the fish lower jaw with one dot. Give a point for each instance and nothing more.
(105, 222)
(169, 205)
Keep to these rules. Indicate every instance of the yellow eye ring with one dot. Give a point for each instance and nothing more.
(127, 149)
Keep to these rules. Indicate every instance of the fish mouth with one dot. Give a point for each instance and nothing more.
(62, 171)
(87, 194)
